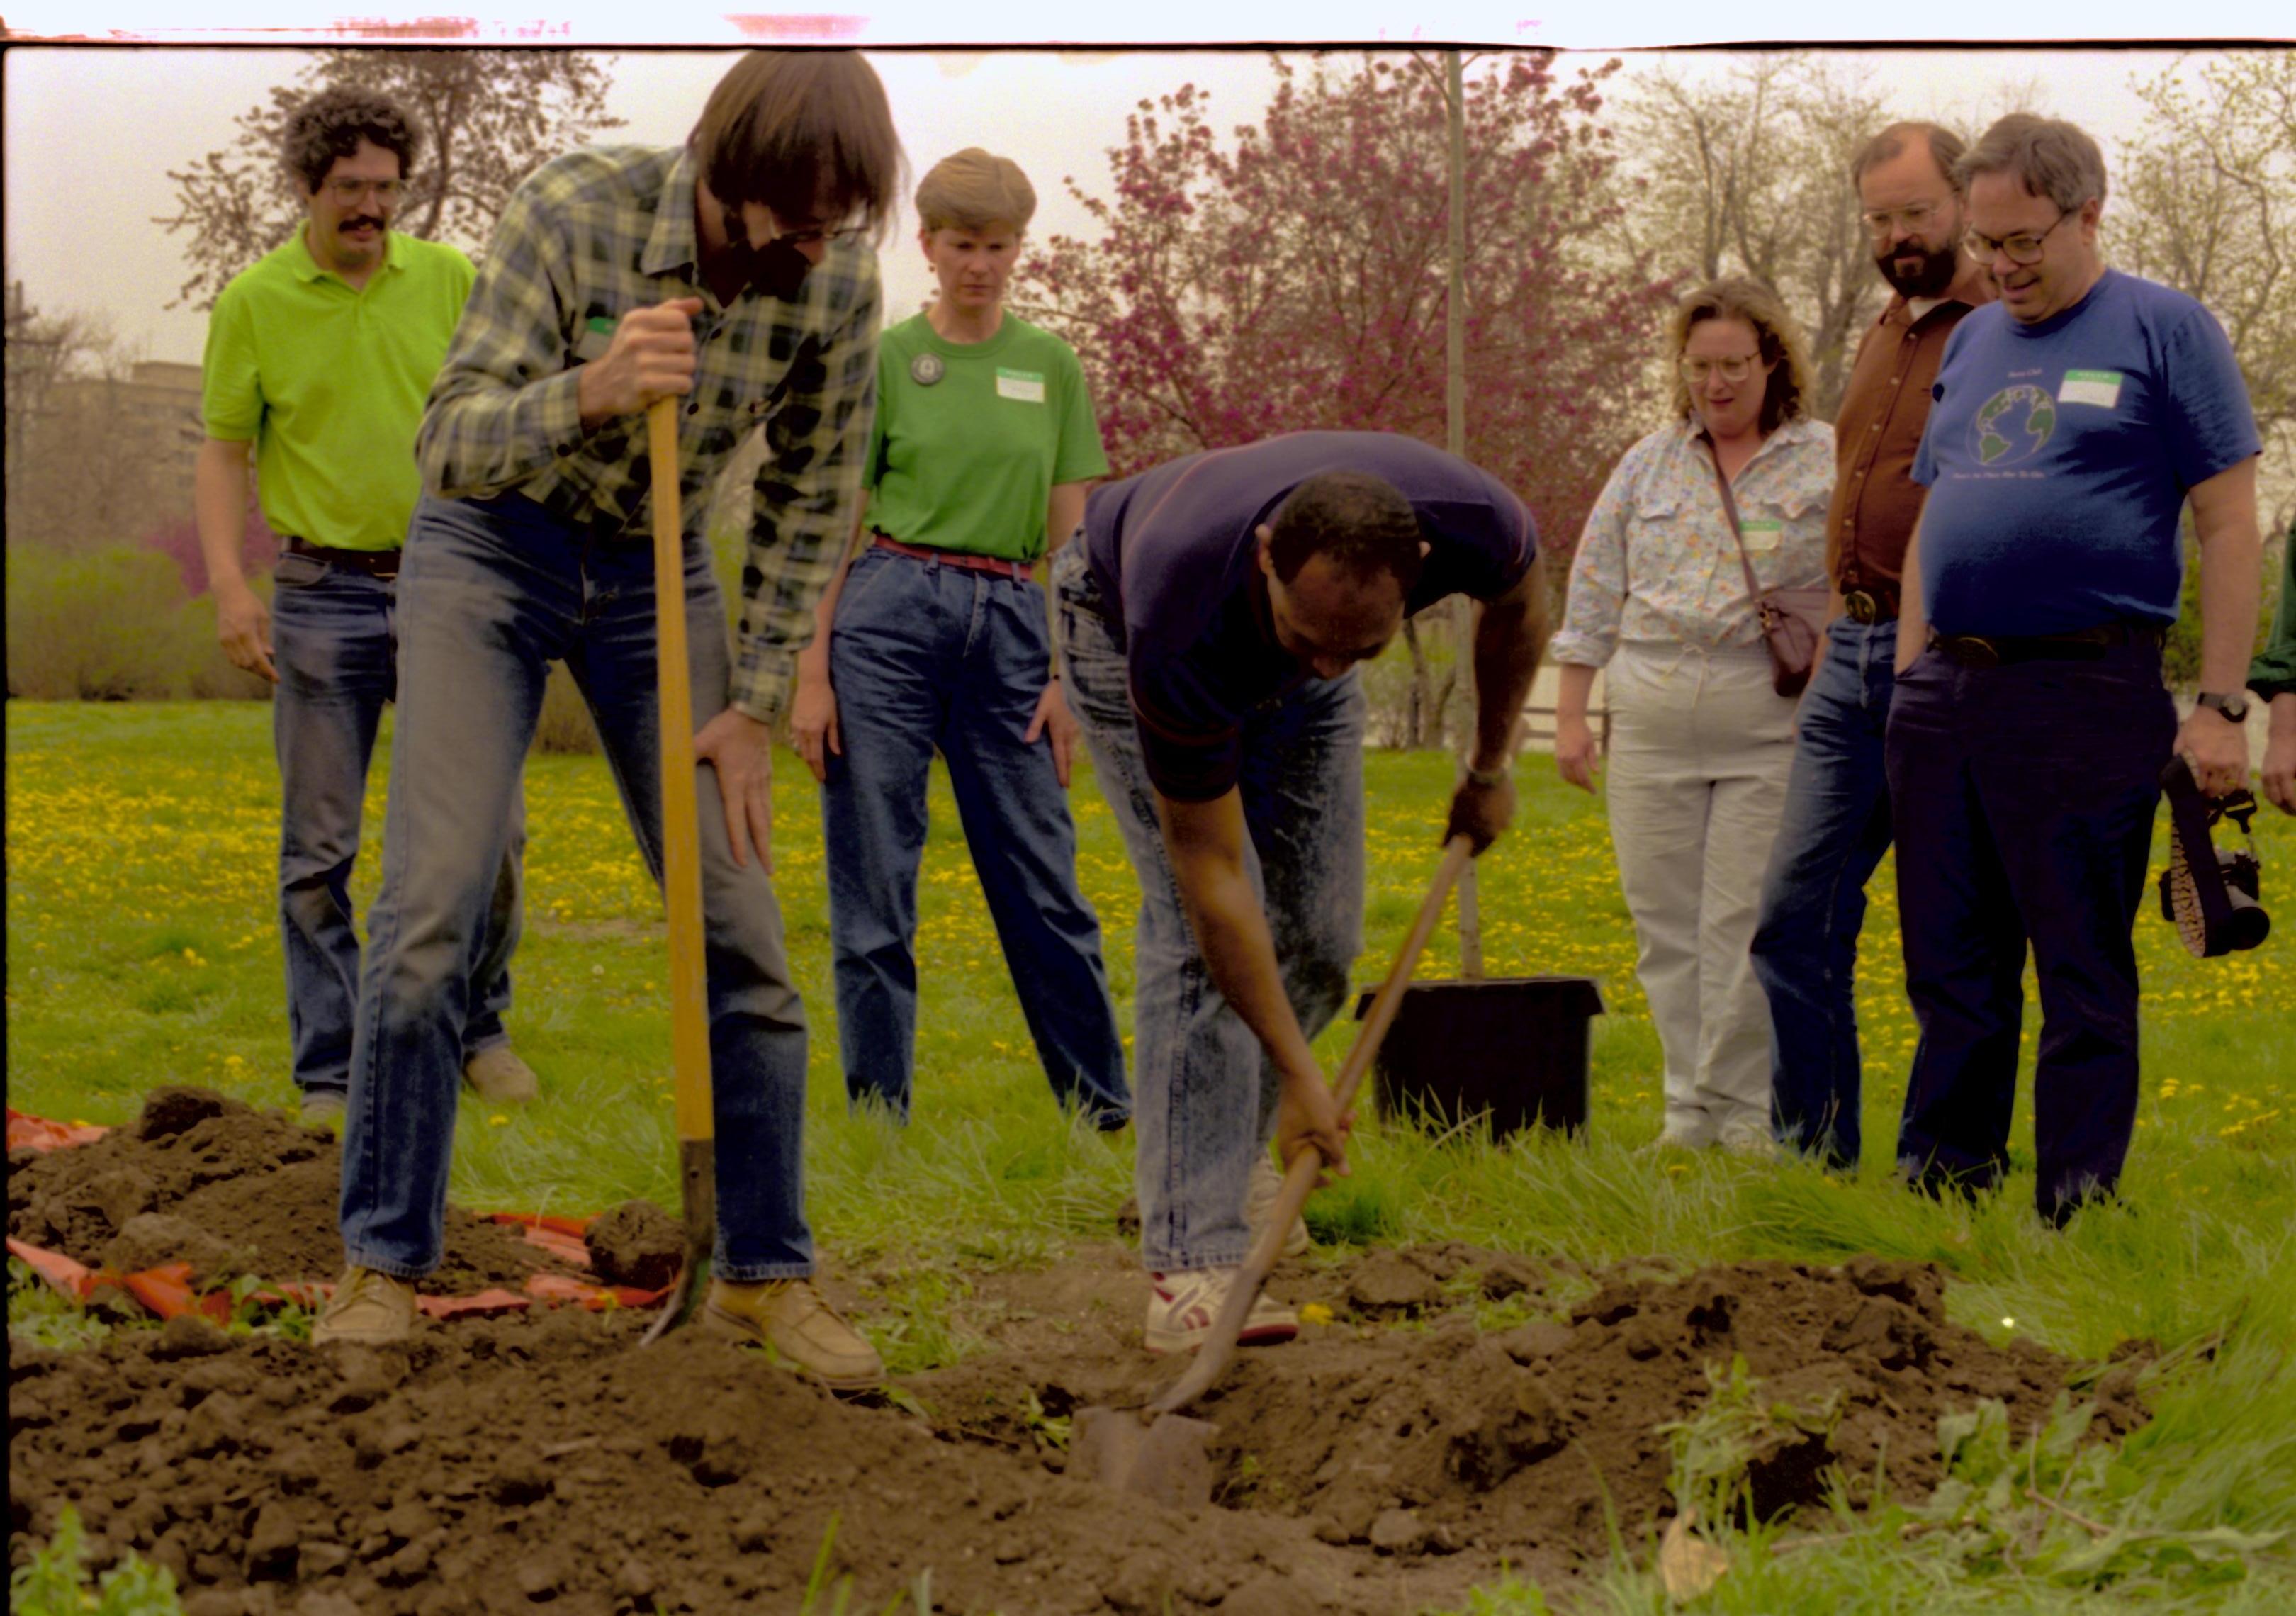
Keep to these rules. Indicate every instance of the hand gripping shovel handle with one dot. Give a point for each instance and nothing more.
(1212, 1357)
(681, 875)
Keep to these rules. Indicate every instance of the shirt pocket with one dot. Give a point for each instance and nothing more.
(1661, 505)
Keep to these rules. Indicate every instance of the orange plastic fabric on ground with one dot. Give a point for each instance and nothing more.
(166, 1292)
(39, 1134)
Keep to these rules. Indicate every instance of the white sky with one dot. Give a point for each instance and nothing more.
(90, 132)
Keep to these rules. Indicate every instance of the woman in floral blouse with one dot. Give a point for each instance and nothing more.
(1701, 744)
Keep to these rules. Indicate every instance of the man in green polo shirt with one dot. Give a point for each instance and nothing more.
(320, 355)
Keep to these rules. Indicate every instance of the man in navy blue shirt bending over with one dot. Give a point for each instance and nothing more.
(2074, 420)
(1211, 618)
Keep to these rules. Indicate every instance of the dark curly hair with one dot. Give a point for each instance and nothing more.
(332, 123)
(1361, 522)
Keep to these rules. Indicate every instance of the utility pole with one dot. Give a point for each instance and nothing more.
(1455, 412)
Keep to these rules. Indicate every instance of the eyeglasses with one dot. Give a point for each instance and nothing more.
(350, 190)
(810, 234)
(737, 229)
(1882, 222)
(1733, 370)
(2024, 247)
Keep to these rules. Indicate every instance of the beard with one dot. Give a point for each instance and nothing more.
(1931, 279)
(776, 269)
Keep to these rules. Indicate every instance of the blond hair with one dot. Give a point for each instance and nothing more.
(1744, 298)
(973, 190)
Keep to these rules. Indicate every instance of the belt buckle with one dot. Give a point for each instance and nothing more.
(1862, 606)
(1973, 651)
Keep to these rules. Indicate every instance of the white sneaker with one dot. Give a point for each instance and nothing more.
(1182, 1307)
(1260, 1192)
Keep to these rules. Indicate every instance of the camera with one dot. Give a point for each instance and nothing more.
(2214, 897)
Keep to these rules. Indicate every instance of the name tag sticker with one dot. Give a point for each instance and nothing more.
(1762, 536)
(1026, 385)
(596, 338)
(2101, 387)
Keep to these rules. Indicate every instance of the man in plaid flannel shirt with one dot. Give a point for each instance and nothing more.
(735, 273)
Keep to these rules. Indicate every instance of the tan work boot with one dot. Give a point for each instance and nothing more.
(1260, 1192)
(790, 1316)
(497, 1076)
(368, 1308)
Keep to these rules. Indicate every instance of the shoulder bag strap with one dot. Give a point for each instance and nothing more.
(1737, 533)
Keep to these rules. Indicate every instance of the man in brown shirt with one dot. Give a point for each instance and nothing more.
(1836, 825)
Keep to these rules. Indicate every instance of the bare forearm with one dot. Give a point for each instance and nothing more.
(1231, 929)
(1577, 688)
(2232, 561)
(219, 509)
(813, 662)
(1913, 610)
(1062, 513)
(1510, 632)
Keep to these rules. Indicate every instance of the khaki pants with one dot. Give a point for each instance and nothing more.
(1701, 747)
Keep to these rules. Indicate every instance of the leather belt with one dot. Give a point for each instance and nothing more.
(954, 558)
(1877, 604)
(381, 564)
(2078, 646)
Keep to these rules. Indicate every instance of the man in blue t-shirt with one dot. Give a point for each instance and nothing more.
(2073, 421)
(1212, 618)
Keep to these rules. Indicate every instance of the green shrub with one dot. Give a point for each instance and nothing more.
(111, 626)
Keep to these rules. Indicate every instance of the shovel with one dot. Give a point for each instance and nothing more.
(681, 881)
(1156, 1452)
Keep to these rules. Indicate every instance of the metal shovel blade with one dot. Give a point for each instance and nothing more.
(1165, 1459)
(697, 1162)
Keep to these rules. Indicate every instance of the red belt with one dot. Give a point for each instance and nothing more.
(955, 558)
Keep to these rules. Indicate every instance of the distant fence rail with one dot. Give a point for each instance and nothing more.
(1538, 728)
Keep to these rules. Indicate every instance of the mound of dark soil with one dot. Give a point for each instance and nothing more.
(1394, 1457)
(499, 1463)
(201, 1178)
(496, 1463)
(1436, 1440)
(636, 1244)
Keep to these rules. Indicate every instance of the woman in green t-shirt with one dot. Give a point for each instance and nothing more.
(934, 636)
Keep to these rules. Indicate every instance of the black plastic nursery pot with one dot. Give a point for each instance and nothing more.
(1513, 1049)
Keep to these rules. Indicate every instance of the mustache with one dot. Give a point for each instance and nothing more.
(353, 224)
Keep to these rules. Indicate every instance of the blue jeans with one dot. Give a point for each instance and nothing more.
(923, 655)
(2024, 798)
(335, 641)
(492, 592)
(1835, 830)
(1205, 1093)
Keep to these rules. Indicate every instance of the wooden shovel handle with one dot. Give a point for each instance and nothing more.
(681, 820)
(1299, 1177)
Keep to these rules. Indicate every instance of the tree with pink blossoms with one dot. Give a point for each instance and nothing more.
(1294, 278)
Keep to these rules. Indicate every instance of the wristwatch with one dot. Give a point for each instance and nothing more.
(2233, 709)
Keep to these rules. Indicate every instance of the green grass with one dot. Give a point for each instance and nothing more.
(144, 949)
(56, 1582)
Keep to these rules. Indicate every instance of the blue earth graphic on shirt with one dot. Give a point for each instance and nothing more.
(2013, 426)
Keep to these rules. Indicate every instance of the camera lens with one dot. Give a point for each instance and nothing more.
(2247, 925)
